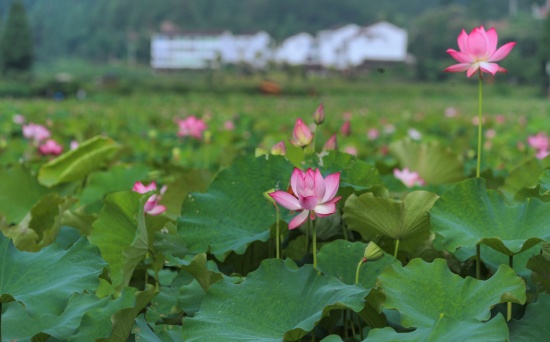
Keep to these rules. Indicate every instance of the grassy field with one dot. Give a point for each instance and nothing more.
(149, 113)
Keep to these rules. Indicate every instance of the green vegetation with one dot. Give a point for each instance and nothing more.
(16, 43)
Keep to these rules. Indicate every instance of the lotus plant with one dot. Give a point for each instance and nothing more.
(541, 143)
(152, 206)
(408, 177)
(191, 126)
(50, 147)
(478, 53)
(36, 132)
(311, 196)
(301, 134)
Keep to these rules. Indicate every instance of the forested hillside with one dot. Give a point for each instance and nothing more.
(101, 30)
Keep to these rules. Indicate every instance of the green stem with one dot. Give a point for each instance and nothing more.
(315, 138)
(344, 230)
(478, 261)
(357, 271)
(396, 248)
(314, 237)
(0, 321)
(278, 234)
(479, 126)
(509, 304)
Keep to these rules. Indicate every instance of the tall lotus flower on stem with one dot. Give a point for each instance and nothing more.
(479, 53)
(312, 196)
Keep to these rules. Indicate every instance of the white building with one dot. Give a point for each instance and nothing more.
(299, 49)
(346, 47)
(202, 50)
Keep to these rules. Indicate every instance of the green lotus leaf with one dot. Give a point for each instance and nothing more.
(78, 163)
(287, 303)
(123, 234)
(19, 192)
(102, 183)
(523, 176)
(339, 259)
(436, 164)
(408, 288)
(534, 324)
(44, 281)
(161, 333)
(540, 265)
(41, 225)
(469, 214)
(186, 181)
(447, 329)
(396, 219)
(233, 213)
(355, 173)
(199, 270)
(544, 183)
(86, 318)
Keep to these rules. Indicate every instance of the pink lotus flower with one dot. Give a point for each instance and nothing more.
(331, 144)
(311, 195)
(541, 154)
(319, 115)
(74, 145)
(539, 141)
(351, 150)
(36, 132)
(191, 126)
(301, 135)
(279, 149)
(152, 206)
(373, 134)
(18, 119)
(50, 147)
(409, 178)
(478, 51)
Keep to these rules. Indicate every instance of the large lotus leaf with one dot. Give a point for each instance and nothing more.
(396, 219)
(285, 305)
(339, 259)
(523, 176)
(19, 192)
(161, 333)
(122, 234)
(233, 213)
(355, 173)
(44, 281)
(544, 183)
(436, 164)
(447, 329)
(41, 225)
(534, 324)
(540, 265)
(85, 318)
(78, 163)
(118, 178)
(423, 291)
(469, 214)
(186, 181)
(198, 268)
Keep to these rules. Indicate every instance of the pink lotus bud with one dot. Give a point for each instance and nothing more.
(346, 128)
(373, 134)
(301, 135)
(331, 144)
(351, 150)
(279, 149)
(319, 115)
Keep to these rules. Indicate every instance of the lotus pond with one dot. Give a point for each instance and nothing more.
(147, 226)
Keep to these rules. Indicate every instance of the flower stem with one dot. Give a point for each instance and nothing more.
(357, 271)
(478, 261)
(314, 237)
(396, 248)
(479, 125)
(509, 304)
(314, 142)
(278, 234)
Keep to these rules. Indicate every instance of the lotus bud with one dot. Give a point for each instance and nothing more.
(372, 252)
(319, 115)
(346, 128)
(279, 149)
(331, 144)
(301, 135)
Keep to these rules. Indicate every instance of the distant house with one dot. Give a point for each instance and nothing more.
(299, 49)
(202, 50)
(346, 47)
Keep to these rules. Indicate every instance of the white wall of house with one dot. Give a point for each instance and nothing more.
(379, 42)
(331, 48)
(296, 50)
